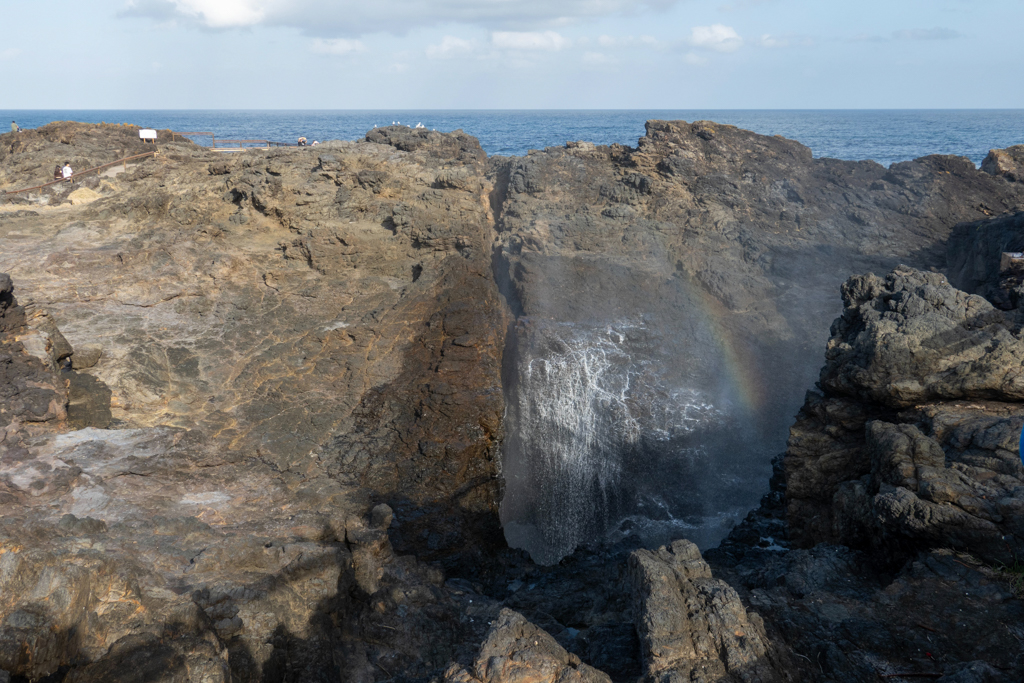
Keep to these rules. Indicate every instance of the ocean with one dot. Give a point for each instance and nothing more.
(886, 136)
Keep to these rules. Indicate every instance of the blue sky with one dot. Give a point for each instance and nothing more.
(484, 54)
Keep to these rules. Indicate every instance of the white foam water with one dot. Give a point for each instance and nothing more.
(585, 408)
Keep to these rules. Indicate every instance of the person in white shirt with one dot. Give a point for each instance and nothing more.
(67, 172)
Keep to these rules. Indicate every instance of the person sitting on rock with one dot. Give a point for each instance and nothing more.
(15, 128)
(66, 172)
(302, 142)
(57, 174)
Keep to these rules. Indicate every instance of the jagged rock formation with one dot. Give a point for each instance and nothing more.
(914, 439)
(902, 486)
(688, 283)
(280, 425)
(692, 626)
(516, 650)
(1008, 163)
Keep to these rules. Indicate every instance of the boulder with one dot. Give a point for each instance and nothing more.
(87, 356)
(516, 651)
(694, 627)
(1008, 163)
(83, 195)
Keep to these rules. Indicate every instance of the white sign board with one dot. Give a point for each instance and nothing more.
(147, 134)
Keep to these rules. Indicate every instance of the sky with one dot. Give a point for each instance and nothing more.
(510, 54)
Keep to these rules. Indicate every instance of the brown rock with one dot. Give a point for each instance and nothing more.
(692, 626)
(517, 651)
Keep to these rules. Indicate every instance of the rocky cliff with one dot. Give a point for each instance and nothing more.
(254, 406)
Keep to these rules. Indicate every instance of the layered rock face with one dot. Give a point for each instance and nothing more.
(914, 440)
(281, 341)
(674, 299)
(328, 311)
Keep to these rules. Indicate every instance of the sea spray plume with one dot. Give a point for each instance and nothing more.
(592, 416)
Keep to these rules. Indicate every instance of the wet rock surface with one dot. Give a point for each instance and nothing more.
(601, 248)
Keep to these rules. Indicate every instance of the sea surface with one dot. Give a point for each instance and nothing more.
(886, 136)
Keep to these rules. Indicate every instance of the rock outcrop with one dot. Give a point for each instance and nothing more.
(252, 408)
(889, 542)
(680, 292)
(914, 440)
(1007, 163)
(326, 310)
(31, 348)
(693, 627)
(282, 345)
(516, 650)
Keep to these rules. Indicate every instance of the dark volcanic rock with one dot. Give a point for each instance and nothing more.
(915, 439)
(30, 392)
(943, 614)
(974, 253)
(677, 295)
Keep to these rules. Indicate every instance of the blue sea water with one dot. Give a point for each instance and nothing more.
(886, 136)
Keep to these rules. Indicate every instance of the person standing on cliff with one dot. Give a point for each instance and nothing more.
(15, 128)
(67, 172)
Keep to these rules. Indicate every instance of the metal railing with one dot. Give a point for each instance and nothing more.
(82, 173)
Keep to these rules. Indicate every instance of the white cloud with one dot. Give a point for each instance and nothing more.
(768, 40)
(337, 46)
(9, 53)
(331, 18)
(450, 47)
(529, 40)
(215, 13)
(717, 37)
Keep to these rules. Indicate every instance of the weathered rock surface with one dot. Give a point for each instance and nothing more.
(1008, 163)
(975, 249)
(516, 650)
(30, 349)
(844, 618)
(914, 440)
(693, 627)
(907, 457)
(284, 344)
(306, 307)
(281, 420)
(689, 283)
